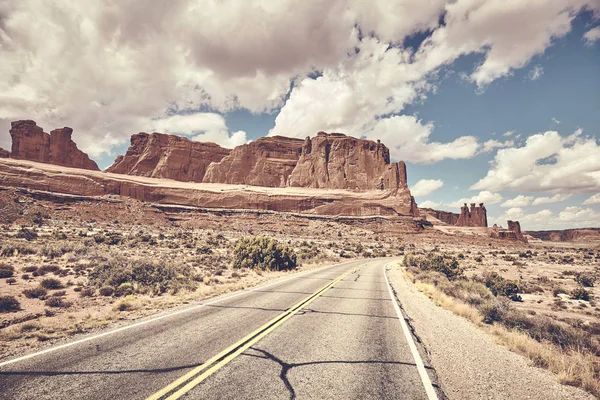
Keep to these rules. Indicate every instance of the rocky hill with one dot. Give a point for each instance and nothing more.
(158, 155)
(30, 142)
(568, 235)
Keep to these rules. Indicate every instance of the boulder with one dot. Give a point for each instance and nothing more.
(159, 155)
(267, 161)
(337, 161)
(30, 142)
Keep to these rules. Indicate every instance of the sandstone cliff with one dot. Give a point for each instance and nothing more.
(342, 162)
(30, 142)
(268, 161)
(158, 155)
(515, 227)
(446, 217)
(568, 235)
(4, 153)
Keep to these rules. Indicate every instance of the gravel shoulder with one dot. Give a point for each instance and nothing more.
(469, 364)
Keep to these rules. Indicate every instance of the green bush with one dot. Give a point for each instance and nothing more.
(6, 271)
(9, 304)
(35, 293)
(263, 253)
(434, 262)
(58, 302)
(146, 276)
(580, 293)
(585, 279)
(501, 286)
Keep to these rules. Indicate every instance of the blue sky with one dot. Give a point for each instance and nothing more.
(490, 101)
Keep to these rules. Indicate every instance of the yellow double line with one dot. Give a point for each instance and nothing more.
(193, 378)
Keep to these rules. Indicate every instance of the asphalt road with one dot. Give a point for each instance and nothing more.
(345, 342)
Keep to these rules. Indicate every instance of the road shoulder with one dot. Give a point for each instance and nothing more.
(468, 363)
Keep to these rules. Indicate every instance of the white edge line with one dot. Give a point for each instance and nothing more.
(124, 328)
(431, 394)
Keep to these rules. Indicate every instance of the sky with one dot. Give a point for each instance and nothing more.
(494, 101)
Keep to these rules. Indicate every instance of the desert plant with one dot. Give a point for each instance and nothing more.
(580, 293)
(57, 302)
(9, 304)
(87, 292)
(51, 283)
(501, 286)
(38, 292)
(107, 291)
(6, 271)
(10, 281)
(27, 234)
(435, 262)
(263, 253)
(585, 279)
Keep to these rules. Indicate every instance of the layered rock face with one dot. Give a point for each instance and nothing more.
(338, 161)
(30, 142)
(446, 217)
(4, 153)
(158, 155)
(268, 161)
(474, 217)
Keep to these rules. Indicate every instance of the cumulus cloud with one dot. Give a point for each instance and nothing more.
(519, 201)
(426, 186)
(429, 204)
(205, 127)
(548, 162)
(569, 217)
(110, 68)
(484, 196)
(592, 36)
(492, 144)
(557, 198)
(595, 199)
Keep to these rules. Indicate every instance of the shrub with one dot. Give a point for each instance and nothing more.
(9, 250)
(58, 302)
(580, 293)
(10, 281)
(6, 271)
(107, 291)
(30, 268)
(88, 292)
(434, 262)
(51, 283)
(264, 254)
(35, 293)
(147, 276)
(9, 304)
(127, 303)
(124, 289)
(27, 234)
(586, 280)
(501, 286)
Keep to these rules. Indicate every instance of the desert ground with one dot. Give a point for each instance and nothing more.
(76, 266)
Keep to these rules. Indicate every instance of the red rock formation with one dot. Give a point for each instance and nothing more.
(475, 217)
(158, 155)
(341, 162)
(268, 161)
(24, 174)
(30, 142)
(446, 217)
(4, 153)
(515, 227)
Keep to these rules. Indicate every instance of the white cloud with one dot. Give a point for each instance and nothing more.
(429, 204)
(109, 68)
(592, 36)
(535, 73)
(557, 198)
(570, 217)
(484, 196)
(556, 121)
(595, 199)
(519, 201)
(494, 144)
(548, 162)
(426, 186)
(205, 127)
(508, 133)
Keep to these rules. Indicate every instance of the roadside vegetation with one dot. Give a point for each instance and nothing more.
(572, 351)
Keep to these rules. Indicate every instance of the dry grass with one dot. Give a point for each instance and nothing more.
(571, 366)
